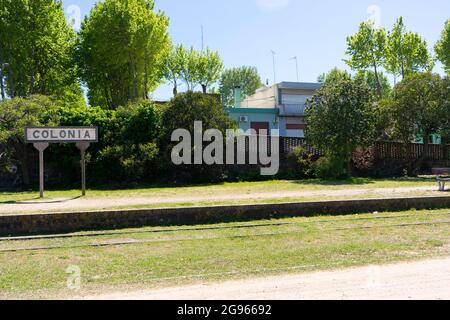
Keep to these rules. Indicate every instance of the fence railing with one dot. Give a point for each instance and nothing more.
(401, 151)
(382, 150)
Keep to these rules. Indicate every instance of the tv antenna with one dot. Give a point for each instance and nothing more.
(296, 66)
(274, 67)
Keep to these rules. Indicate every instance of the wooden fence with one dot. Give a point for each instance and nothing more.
(401, 151)
(382, 150)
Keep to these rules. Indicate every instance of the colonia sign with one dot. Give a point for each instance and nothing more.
(41, 137)
(61, 135)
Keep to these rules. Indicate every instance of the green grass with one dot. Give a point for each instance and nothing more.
(173, 258)
(226, 188)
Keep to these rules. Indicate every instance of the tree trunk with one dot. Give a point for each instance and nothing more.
(204, 88)
(379, 88)
(175, 90)
(146, 95)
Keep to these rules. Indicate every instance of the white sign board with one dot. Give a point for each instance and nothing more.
(61, 134)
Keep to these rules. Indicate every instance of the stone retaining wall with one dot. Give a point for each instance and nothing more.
(31, 224)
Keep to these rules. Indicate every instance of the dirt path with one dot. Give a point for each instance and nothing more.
(99, 203)
(428, 280)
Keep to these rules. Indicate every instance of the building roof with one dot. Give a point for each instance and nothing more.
(299, 85)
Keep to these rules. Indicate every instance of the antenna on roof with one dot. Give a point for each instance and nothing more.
(296, 66)
(274, 69)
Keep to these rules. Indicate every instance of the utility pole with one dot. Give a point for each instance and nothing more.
(274, 67)
(296, 66)
(203, 39)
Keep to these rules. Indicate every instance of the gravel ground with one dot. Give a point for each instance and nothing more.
(429, 280)
(98, 203)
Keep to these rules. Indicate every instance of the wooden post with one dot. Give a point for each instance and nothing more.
(41, 146)
(83, 146)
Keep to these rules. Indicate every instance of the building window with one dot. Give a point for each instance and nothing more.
(295, 127)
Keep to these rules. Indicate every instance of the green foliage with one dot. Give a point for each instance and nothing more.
(341, 117)
(182, 112)
(334, 75)
(367, 50)
(247, 78)
(121, 50)
(331, 167)
(442, 47)
(15, 115)
(193, 67)
(36, 50)
(210, 67)
(420, 104)
(129, 163)
(301, 163)
(370, 78)
(126, 151)
(18, 113)
(128, 141)
(173, 66)
(406, 52)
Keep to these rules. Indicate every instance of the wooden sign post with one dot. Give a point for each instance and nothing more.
(41, 137)
(41, 146)
(83, 146)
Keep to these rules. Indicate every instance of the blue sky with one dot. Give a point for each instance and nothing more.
(245, 31)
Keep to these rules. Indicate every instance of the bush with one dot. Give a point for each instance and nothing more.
(126, 151)
(331, 168)
(300, 163)
(182, 112)
(341, 117)
(131, 163)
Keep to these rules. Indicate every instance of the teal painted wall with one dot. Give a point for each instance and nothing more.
(254, 115)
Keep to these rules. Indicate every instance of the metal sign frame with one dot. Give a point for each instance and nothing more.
(62, 140)
(42, 145)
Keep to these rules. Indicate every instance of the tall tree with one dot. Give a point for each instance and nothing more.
(366, 50)
(121, 49)
(247, 78)
(341, 117)
(173, 66)
(406, 52)
(442, 47)
(210, 67)
(36, 49)
(420, 106)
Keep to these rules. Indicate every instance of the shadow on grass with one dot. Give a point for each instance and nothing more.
(362, 181)
(35, 201)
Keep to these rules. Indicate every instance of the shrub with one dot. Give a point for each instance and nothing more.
(331, 168)
(300, 163)
(183, 111)
(129, 163)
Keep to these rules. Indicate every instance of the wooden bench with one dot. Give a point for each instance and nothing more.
(443, 176)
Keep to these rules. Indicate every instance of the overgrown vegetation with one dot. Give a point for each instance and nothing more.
(124, 51)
